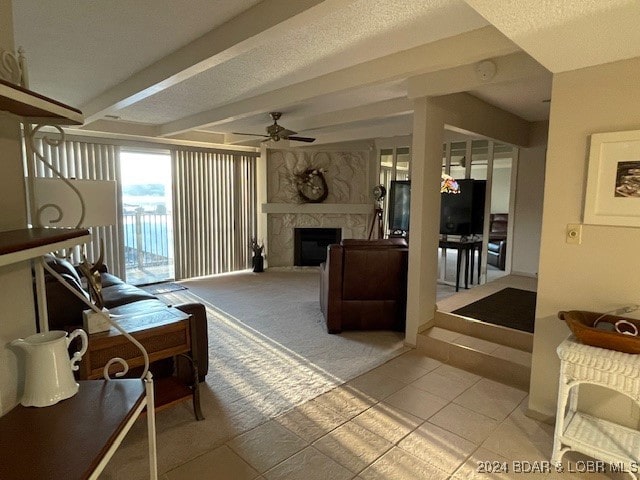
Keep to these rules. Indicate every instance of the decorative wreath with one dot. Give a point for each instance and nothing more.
(311, 185)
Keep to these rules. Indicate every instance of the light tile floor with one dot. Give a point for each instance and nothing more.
(413, 418)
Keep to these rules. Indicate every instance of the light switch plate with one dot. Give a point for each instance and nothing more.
(574, 233)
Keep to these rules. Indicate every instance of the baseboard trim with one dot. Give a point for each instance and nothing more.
(541, 417)
(426, 325)
(523, 274)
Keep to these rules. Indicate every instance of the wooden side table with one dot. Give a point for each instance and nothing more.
(596, 437)
(75, 438)
(164, 333)
(468, 249)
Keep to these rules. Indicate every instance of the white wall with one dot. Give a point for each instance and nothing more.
(528, 205)
(16, 295)
(500, 186)
(500, 190)
(603, 272)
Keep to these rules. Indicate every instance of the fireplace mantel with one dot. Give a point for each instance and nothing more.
(316, 208)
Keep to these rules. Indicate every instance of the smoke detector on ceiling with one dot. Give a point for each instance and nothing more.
(485, 70)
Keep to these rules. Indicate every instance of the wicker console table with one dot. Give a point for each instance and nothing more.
(598, 438)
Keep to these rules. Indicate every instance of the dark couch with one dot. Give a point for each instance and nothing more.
(65, 309)
(363, 285)
(497, 246)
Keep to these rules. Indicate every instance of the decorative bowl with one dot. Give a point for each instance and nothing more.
(581, 324)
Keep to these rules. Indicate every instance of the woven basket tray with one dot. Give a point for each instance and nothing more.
(581, 324)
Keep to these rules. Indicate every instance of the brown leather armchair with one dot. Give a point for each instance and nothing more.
(363, 285)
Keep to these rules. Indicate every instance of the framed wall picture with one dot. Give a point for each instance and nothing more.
(613, 180)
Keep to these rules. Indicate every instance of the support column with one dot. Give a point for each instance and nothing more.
(424, 228)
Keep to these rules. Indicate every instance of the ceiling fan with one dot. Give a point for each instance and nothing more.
(277, 132)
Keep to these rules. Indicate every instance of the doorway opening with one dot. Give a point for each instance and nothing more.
(495, 164)
(483, 162)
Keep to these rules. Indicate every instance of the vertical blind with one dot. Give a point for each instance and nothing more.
(214, 196)
(214, 204)
(88, 161)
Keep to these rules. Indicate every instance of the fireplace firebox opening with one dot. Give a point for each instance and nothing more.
(310, 248)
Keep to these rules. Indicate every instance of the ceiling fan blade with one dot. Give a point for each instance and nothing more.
(286, 133)
(277, 132)
(251, 134)
(302, 139)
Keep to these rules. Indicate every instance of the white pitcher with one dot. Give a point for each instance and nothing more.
(48, 371)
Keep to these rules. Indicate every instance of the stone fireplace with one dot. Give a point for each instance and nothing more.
(349, 205)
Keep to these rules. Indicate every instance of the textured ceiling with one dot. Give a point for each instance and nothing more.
(337, 40)
(296, 115)
(532, 97)
(98, 55)
(77, 49)
(566, 35)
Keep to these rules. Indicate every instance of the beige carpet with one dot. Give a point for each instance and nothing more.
(268, 352)
(282, 308)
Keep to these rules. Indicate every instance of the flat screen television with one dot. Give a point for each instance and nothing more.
(463, 213)
(399, 203)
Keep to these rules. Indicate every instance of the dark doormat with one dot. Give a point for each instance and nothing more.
(160, 288)
(510, 307)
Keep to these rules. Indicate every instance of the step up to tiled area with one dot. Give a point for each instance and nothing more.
(496, 352)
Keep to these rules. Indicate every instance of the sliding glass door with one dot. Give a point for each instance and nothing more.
(147, 216)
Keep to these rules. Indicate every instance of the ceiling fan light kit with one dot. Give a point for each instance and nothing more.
(277, 132)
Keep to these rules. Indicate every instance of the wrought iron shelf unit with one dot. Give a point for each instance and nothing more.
(31, 107)
(103, 411)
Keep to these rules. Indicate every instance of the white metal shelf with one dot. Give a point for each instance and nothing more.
(27, 243)
(94, 422)
(31, 107)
